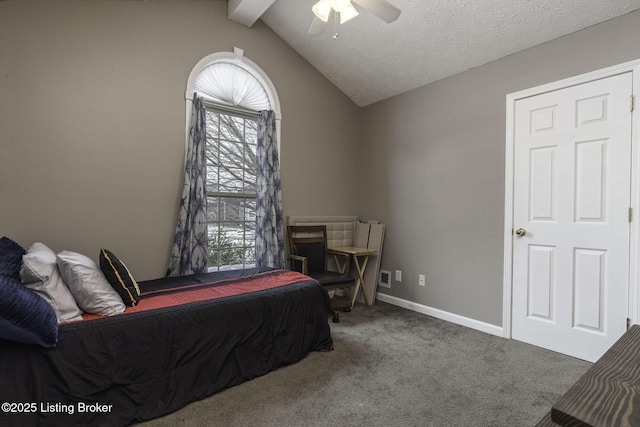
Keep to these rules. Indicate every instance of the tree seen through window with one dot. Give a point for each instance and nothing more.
(231, 190)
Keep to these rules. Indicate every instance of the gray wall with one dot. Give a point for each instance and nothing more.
(92, 122)
(433, 168)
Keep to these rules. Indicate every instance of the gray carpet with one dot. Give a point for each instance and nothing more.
(395, 367)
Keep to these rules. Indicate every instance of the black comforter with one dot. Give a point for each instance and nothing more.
(137, 366)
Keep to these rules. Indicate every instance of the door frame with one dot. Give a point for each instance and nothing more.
(634, 241)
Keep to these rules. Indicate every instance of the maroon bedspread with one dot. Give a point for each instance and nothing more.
(163, 293)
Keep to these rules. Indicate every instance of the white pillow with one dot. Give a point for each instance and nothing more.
(87, 283)
(40, 273)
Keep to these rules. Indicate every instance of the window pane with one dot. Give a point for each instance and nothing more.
(212, 161)
(251, 132)
(212, 184)
(212, 124)
(231, 168)
(251, 156)
(230, 180)
(251, 173)
(231, 128)
(231, 209)
(250, 210)
(249, 236)
(250, 256)
(213, 179)
(212, 211)
(231, 155)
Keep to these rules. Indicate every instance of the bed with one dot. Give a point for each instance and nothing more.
(187, 338)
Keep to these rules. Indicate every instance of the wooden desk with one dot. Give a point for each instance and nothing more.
(358, 255)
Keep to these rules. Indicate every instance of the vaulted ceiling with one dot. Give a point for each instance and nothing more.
(371, 60)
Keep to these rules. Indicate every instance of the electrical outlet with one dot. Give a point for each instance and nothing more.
(398, 276)
(421, 280)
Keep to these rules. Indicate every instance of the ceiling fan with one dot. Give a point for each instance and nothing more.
(343, 11)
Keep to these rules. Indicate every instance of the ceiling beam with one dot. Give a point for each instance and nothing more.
(247, 12)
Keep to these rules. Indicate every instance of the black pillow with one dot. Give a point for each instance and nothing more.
(25, 316)
(119, 277)
(10, 258)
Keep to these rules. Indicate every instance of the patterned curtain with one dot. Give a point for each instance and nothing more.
(269, 235)
(189, 253)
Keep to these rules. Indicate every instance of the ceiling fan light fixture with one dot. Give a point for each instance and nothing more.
(343, 11)
(340, 5)
(322, 10)
(347, 13)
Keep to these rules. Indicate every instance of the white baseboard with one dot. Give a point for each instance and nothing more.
(444, 315)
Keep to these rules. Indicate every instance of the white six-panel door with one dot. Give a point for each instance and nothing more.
(572, 168)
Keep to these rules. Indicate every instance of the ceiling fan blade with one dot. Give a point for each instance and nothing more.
(381, 8)
(317, 27)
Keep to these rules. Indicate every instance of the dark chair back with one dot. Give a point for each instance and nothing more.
(309, 241)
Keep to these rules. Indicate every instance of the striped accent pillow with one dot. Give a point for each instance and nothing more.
(119, 277)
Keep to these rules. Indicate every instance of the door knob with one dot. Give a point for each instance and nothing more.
(521, 232)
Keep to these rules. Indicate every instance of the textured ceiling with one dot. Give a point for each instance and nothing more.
(432, 39)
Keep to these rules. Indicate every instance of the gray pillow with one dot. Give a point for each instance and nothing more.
(40, 273)
(87, 283)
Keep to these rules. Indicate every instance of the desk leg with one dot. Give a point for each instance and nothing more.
(341, 268)
(360, 280)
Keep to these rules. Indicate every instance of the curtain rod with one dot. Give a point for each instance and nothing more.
(228, 108)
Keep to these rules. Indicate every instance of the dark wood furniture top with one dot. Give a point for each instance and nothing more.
(608, 394)
(546, 421)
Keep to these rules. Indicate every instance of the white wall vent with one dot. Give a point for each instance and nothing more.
(384, 279)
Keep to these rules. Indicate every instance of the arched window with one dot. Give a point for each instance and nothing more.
(231, 80)
(234, 90)
(232, 68)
